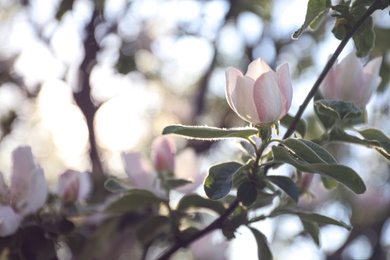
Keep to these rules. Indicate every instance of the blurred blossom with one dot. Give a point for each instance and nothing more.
(350, 81)
(306, 180)
(74, 186)
(141, 173)
(206, 248)
(163, 155)
(187, 167)
(261, 96)
(27, 193)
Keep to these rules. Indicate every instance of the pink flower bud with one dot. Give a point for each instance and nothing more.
(350, 81)
(261, 96)
(74, 186)
(163, 155)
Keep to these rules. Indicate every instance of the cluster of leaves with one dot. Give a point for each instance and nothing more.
(255, 188)
(347, 15)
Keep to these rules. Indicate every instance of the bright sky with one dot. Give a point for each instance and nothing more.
(126, 96)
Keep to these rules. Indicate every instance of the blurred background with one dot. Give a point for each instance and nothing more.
(82, 81)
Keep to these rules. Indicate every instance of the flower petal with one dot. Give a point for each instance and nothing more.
(371, 71)
(187, 168)
(231, 75)
(245, 106)
(328, 85)
(85, 183)
(23, 164)
(350, 79)
(163, 155)
(267, 98)
(141, 173)
(9, 221)
(36, 193)
(256, 68)
(284, 82)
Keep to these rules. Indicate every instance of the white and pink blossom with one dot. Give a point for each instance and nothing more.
(350, 81)
(261, 96)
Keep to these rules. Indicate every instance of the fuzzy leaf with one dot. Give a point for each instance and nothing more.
(132, 200)
(151, 228)
(309, 151)
(313, 230)
(220, 179)
(286, 184)
(263, 251)
(196, 201)
(314, 9)
(337, 172)
(301, 126)
(210, 133)
(247, 193)
(337, 109)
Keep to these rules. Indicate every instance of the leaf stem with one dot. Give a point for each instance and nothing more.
(378, 4)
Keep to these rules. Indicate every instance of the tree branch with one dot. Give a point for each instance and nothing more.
(83, 95)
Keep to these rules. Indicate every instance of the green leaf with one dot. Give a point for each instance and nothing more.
(300, 128)
(65, 6)
(114, 185)
(362, 3)
(173, 183)
(247, 193)
(314, 9)
(337, 172)
(133, 200)
(328, 183)
(151, 228)
(210, 133)
(339, 30)
(364, 37)
(337, 109)
(196, 201)
(263, 199)
(242, 174)
(263, 251)
(374, 138)
(309, 151)
(373, 134)
(318, 20)
(238, 217)
(286, 184)
(313, 230)
(313, 217)
(219, 180)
